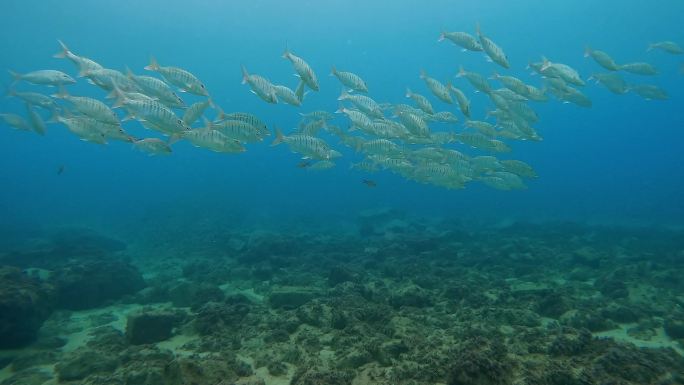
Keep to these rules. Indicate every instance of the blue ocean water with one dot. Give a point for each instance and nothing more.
(118, 267)
(617, 161)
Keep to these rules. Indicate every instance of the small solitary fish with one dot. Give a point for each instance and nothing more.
(369, 183)
(60, 169)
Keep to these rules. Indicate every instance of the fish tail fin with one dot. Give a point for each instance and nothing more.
(173, 138)
(61, 93)
(286, 53)
(478, 31)
(333, 71)
(245, 74)
(442, 36)
(340, 109)
(211, 102)
(299, 92)
(207, 123)
(129, 73)
(461, 72)
(279, 137)
(408, 92)
(650, 48)
(15, 77)
(116, 92)
(495, 75)
(344, 95)
(423, 74)
(9, 90)
(54, 115)
(64, 52)
(587, 51)
(545, 63)
(153, 66)
(358, 146)
(118, 95)
(220, 114)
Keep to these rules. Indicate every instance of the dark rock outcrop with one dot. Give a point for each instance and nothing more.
(148, 327)
(25, 303)
(83, 363)
(93, 284)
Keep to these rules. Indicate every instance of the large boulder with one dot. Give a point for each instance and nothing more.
(148, 327)
(93, 284)
(25, 303)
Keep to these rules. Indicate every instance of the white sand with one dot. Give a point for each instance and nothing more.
(660, 340)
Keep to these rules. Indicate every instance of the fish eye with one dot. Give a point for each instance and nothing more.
(202, 85)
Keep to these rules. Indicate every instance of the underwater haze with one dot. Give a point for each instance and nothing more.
(535, 238)
(619, 161)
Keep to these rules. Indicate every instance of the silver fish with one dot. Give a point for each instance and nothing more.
(157, 88)
(309, 146)
(421, 101)
(350, 80)
(667, 46)
(50, 78)
(179, 77)
(195, 111)
(16, 121)
(602, 58)
(492, 50)
(84, 64)
(437, 88)
(35, 119)
(463, 39)
(260, 86)
(639, 68)
(303, 69)
(152, 146)
(287, 95)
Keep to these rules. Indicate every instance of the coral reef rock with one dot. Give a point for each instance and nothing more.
(25, 303)
(92, 284)
(147, 327)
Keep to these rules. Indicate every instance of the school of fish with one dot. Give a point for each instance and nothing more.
(422, 141)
